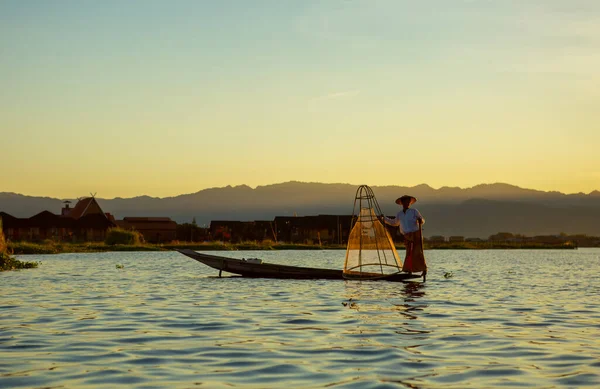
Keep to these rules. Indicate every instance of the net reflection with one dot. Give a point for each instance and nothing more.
(393, 305)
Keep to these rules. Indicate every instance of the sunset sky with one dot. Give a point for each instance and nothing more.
(128, 98)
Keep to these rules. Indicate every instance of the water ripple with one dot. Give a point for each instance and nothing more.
(506, 319)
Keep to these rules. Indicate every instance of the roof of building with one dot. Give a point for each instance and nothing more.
(5, 216)
(9, 221)
(44, 215)
(82, 207)
(47, 219)
(94, 220)
(44, 219)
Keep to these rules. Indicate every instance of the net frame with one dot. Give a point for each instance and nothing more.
(388, 261)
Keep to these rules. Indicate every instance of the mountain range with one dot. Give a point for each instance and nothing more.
(478, 211)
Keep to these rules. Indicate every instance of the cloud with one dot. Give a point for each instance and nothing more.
(337, 95)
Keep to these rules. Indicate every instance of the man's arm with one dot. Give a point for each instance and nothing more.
(420, 218)
(394, 222)
(391, 222)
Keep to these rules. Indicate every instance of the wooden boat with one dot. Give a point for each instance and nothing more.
(251, 269)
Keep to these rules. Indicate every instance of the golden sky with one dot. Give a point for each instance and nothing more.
(147, 98)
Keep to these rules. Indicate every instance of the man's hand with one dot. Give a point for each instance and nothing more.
(419, 220)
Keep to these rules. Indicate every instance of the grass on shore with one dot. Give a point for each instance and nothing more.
(51, 247)
(497, 246)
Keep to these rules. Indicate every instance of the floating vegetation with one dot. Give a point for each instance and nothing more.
(448, 274)
(7, 262)
(119, 266)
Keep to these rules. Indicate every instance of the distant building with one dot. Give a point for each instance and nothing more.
(326, 229)
(225, 230)
(84, 207)
(437, 239)
(191, 232)
(501, 237)
(549, 239)
(153, 229)
(85, 222)
(456, 239)
(237, 231)
(331, 229)
(473, 240)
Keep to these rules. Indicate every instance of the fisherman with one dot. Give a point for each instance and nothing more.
(409, 220)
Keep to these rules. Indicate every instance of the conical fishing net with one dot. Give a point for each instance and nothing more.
(371, 253)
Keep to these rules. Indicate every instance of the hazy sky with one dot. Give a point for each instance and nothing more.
(127, 98)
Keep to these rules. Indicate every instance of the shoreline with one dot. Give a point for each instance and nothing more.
(28, 248)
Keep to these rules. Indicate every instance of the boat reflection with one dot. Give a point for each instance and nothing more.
(387, 305)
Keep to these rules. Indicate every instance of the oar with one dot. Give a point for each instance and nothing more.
(422, 251)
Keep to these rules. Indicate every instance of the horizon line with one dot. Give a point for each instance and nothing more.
(308, 182)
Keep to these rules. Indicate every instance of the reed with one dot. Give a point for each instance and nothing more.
(3, 246)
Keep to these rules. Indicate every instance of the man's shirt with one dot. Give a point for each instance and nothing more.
(407, 221)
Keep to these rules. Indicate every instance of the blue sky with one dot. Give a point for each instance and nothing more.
(168, 97)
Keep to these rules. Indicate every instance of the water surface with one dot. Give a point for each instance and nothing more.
(505, 319)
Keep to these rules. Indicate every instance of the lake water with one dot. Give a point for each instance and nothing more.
(504, 319)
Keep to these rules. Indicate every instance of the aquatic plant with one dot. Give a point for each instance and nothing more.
(119, 266)
(7, 262)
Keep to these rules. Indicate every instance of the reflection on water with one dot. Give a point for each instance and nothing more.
(506, 318)
(411, 307)
(414, 290)
(384, 296)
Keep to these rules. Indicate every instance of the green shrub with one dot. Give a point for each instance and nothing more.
(118, 235)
